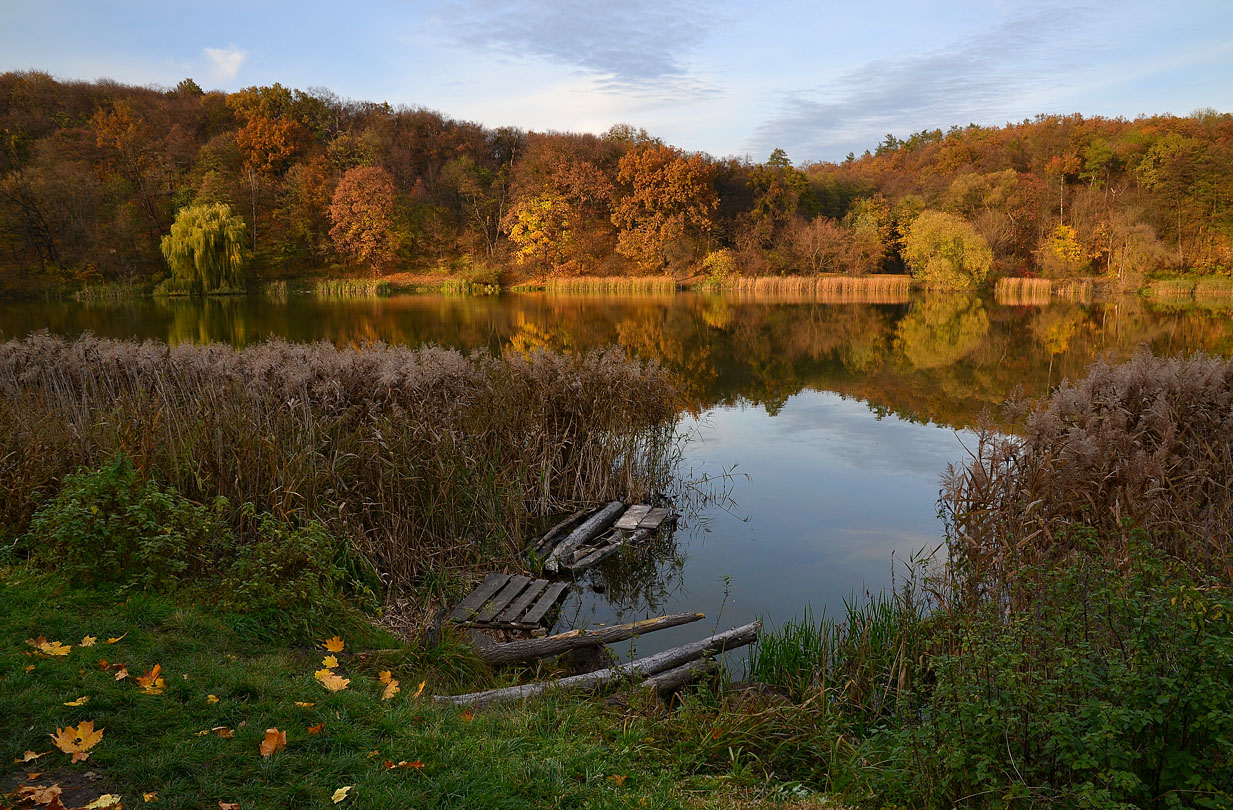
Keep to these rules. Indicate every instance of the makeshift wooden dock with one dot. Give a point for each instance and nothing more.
(586, 538)
(505, 602)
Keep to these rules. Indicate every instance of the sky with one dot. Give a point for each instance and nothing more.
(730, 78)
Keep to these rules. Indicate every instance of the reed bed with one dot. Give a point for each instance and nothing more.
(276, 290)
(879, 289)
(1215, 292)
(425, 459)
(622, 285)
(1137, 450)
(1023, 292)
(352, 288)
(1171, 289)
(1079, 290)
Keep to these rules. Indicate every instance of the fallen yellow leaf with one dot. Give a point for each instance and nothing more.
(151, 683)
(274, 742)
(152, 796)
(334, 644)
(420, 690)
(226, 733)
(108, 801)
(413, 764)
(211, 698)
(121, 673)
(88, 641)
(33, 775)
(81, 701)
(228, 806)
(617, 779)
(466, 716)
(40, 794)
(77, 741)
(330, 681)
(49, 647)
(330, 661)
(114, 639)
(341, 793)
(305, 704)
(317, 729)
(30, 756)
(391, 689)
(29, 667)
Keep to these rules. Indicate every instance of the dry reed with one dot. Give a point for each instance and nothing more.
(1142, 449)
(879, 289)
(609, 284)
(424, 458)
(1023, 292)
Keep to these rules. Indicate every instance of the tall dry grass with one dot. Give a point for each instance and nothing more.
(602, 285)
(1141, 449)
(426, 459)
(879, 289)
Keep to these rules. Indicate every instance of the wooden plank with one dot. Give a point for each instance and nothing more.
(506, 595)
(598, 555)
(552, 594)
(519, 606)
(632, 515)
(468, 607)
(653, 518)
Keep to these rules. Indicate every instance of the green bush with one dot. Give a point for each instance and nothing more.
(283, 566)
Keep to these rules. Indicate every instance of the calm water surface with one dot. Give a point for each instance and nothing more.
(827, 423)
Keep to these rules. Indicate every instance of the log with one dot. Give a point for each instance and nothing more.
(592, 526)
(659, 662)
(593, 558)
(514, 652)
(677, 677)
(549, 539)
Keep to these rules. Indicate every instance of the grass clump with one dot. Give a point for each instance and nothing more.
(352, 288)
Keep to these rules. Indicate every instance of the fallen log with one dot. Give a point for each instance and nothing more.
(544, 545)
(514, 652)
(652, 664)
(591, 527)
(677, 677)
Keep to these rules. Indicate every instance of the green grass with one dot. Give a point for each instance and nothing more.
(546, 753)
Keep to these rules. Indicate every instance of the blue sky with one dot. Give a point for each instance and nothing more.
(819, 79)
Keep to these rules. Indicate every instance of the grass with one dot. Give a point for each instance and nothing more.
(545, 754)
(352, 288)
(602, 285)
(878, 289)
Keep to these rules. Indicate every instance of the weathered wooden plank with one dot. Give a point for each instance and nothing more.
(603, 552)
(512, 652)
(653, 518)
(519, 606)
(552, 594)
(632, 515)
(652, 664)
(468, 607)
(502, 598)
(593, 525)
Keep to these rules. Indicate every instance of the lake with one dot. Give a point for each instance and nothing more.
(819, 428)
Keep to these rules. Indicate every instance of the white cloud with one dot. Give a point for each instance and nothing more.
(225, 62)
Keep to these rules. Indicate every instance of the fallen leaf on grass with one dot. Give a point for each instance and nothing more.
(121, 673)
(317, 729)
(114, 639)
(341, 793)
(108, 801)
(413, 764)
(334, 645)
(305, 704)
(617, 779)
(150, 683)
(420, 690)
(77, 741)
(40, 794)
(467, 716)
(81, 701)
(331, 681)
(228, 806)
(330, 661)
(391, 685)
(211, 698)
(88, 641)
(152, 796)
(274, 742)
(49, 647)
(30, 777)
(30, 667)
(30, 756)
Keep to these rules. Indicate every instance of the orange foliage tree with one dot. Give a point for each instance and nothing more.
(668, 198)
(362, 213)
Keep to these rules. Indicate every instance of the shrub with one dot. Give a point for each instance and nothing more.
(946, 252)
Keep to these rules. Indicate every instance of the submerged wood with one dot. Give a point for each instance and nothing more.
(514, 652)
(677, 677)
(591, 527)
(652, 664)
(550, 538)
(586, 558)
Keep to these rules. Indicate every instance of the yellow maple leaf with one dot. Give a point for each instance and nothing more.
(114, 639)
(386, 676)
(151, 683)
(341, 793)
(53, 648)
(391, 689)
(420, 690)
(30, 756)
(274, 742)
(108, 801)
(121, 673)
(330, 661)
(81, 701)
(211, 699)
(88, 641)
(331, 681)
(40, 794)
(77, 741)
(305, 704)
(334, 644)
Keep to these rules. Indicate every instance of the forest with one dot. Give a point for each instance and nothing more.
(104, 183)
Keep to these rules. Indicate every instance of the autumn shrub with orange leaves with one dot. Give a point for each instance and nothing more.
(421, 459)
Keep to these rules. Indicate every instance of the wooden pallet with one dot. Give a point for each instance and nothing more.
(506, 602)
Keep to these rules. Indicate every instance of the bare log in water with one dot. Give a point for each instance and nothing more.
(514, 652)
(590, 528)
(550, 538)
(590, 559)
(652, 664)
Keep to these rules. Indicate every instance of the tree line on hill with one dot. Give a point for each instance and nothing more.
(103, 182)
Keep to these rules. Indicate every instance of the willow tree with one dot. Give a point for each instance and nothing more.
(205, 248)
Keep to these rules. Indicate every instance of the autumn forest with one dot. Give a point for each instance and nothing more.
(94, 177)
